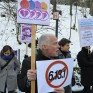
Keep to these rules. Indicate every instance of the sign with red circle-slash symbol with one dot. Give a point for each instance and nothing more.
(56, 78)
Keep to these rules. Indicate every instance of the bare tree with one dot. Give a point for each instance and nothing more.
(9, 8)
(91, 7)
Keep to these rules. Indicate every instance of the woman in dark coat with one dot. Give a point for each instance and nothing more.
(85, 61)
(8, 73)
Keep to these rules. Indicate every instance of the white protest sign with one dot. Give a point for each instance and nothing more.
(86, 31)
(54, 74)
(33, 12)
(25, 33)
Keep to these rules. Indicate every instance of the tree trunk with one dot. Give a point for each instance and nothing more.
(91, 7)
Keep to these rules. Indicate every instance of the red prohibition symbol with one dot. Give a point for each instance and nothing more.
(61, 74)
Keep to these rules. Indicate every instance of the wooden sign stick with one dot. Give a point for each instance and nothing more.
(33, 49)
(26, 48)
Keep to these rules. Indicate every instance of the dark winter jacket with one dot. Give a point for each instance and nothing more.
(26, 65)
(63, 54)
(85, 61)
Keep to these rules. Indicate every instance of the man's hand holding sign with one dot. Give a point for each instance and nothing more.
(31, 74)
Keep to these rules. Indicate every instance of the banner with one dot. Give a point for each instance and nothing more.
(86, 32)
(33, 12)
(25, 33)
(54, 74)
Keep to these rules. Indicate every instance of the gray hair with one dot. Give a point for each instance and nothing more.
(44, 40)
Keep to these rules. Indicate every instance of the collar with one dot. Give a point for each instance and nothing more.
(40, 56)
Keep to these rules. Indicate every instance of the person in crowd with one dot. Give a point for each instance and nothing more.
(9, 68)
(47, 50)
(65, 53)
(85, 62)
(64, 48)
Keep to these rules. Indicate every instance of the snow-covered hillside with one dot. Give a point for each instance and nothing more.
(8, 31)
